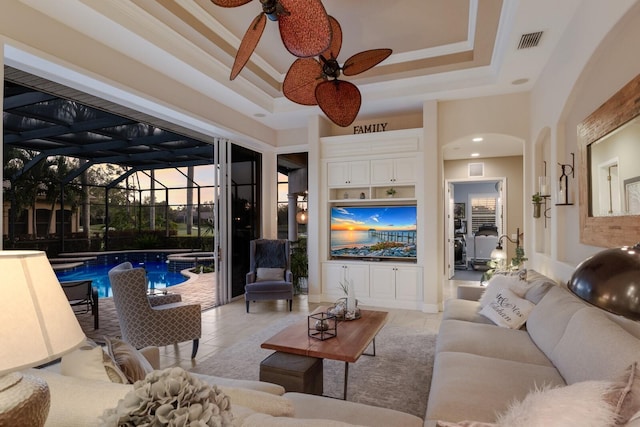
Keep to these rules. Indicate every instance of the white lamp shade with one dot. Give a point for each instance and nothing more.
(498, 254)
(38, 324)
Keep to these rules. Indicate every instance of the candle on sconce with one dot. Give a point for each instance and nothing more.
(543, 185)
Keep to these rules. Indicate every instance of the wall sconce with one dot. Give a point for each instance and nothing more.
(563, 182)
(499, 254)
(302, 217)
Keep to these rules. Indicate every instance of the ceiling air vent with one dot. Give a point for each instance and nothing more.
(529, 40)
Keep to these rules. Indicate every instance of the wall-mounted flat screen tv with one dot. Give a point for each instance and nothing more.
(374, 232)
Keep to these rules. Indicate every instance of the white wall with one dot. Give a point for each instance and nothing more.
(581, 76)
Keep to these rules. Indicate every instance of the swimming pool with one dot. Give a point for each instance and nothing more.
(157, 274)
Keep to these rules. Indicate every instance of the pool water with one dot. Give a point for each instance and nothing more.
(157, 275)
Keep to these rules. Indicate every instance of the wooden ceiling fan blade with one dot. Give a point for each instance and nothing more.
(305, 30)
(301, 80)
(361, 62)
(336, 40)
(339, 100)
(229, 3)
(248, 44)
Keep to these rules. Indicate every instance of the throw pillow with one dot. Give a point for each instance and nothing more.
(91, 362)
(520, 274)
(625, 398)
(508, 310)
(580, 404)
(269, 274)
(497, 283)
(129, 360)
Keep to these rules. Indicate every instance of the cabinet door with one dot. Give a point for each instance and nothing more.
(359, 275)
(332, 275)
(383, 282)
(336, 273)
(408, 280)
(359, 172)
(337, 173)
(382, 171)
(404, 170)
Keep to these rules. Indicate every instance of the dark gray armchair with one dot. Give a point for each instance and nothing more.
(269, 276)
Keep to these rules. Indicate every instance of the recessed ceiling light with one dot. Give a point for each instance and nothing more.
(519, 81)
(475, 154)
(477, 139)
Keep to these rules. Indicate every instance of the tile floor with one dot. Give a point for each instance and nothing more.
(226, 324)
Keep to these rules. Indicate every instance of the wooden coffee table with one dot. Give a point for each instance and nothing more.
(353, 338)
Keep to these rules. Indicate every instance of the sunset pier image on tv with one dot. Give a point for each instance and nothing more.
(374, 232)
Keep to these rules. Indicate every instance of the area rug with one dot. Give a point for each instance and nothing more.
(398, 377)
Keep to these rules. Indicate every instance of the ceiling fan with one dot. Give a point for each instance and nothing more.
(311, 81)
(304, 28)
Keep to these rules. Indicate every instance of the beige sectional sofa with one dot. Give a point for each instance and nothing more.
(78, 401)
(480, 368)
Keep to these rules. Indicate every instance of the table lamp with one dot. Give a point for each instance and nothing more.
(38, 326)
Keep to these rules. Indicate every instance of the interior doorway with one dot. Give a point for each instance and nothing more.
(476, 213)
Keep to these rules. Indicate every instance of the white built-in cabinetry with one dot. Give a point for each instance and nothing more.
(348, 173)
(342, 272)
(395, 282)
(393, 171)
(360, 169)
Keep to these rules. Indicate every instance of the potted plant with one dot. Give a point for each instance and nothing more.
(391, 191)
(299, 263)
(536, 199)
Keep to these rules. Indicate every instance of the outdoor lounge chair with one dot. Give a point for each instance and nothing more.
(83, 298)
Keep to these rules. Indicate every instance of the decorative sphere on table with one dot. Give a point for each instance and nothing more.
(322, 325)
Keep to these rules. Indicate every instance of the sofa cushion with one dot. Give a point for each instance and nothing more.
(471, 387)
(78, 402)
(259, 401)
(538, 289)
(264, 274)
(549, 318)
(489, 341)
(461, 309)
(507, 309)
(247, 384)
(263, 420)
(309, 406)
(594, 348)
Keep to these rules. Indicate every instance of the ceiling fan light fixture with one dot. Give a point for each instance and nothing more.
(304, 26)
(310, 78)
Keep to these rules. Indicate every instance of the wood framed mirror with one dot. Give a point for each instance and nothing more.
(609, 171)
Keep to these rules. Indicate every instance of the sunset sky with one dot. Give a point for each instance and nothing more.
(363, 218)
(203, 176)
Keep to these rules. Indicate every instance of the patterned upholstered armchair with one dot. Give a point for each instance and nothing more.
(144, 324)
(270, 276)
